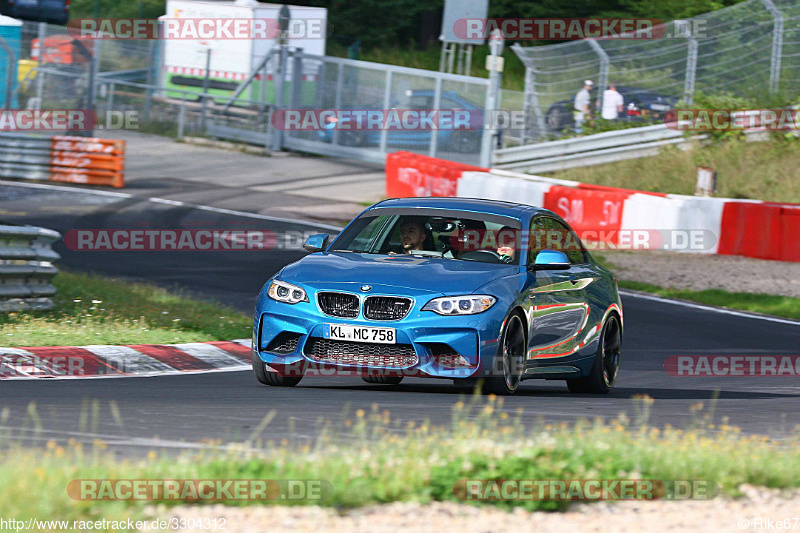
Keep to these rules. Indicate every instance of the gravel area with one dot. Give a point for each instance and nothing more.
(704, 271)
(719, 515)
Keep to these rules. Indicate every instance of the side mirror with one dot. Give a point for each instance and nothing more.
(316, 243)
(550, 260)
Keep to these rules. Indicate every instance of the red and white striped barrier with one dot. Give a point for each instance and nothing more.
(120, 361)
(729, 227)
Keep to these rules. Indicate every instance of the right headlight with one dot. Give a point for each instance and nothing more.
(286, 292)
(470, 304)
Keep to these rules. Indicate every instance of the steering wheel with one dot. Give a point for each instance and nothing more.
(486, 256)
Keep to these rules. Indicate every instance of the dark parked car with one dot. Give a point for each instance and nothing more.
(52, 11)
(465, 141)
(640, 106)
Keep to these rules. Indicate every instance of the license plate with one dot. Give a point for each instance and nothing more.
(341, 332)
(660, 107)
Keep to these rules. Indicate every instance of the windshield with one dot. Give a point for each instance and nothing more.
(467, 237)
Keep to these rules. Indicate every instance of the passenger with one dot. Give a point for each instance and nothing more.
(507, 244)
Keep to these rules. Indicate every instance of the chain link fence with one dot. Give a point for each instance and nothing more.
(749, 49)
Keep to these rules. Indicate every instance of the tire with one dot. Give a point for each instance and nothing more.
(558, 118)
(512, 353)
(273, 379)
(606, 362)
(464, 142)
(383, 380)
(352, 138)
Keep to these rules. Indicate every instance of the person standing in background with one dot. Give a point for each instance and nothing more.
(581, 106)
(613, 103)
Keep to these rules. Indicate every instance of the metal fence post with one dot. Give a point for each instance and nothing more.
(530, 102)
(110, 101)
(280, 82)
(148, 95)
(691, 70)
(387, 101)
(604, 64)
(437, 102)
(182, 116)
(296, 86)
(338, 98)
(205, 91)
(39, 61)
(777, 45)
(492, 97)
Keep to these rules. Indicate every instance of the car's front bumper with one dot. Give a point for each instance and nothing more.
(443, 346)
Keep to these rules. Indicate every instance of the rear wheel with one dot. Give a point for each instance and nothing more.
(274, 379)
(383, 380)
(606, 362)
(512, 354)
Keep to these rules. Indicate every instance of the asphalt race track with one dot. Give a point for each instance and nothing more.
(178, 411)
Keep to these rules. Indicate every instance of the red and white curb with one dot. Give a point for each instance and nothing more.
(67, 362)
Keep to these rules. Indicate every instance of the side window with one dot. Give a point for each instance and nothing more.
(537, 239)
(561, 238)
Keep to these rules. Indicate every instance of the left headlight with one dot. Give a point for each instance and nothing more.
(471, 304)
(286, 292)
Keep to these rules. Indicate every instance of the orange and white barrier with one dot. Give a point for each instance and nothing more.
(88, 160)
(722, 225)
(85, 160)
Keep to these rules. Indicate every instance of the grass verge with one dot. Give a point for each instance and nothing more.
(759, 170)
(382, 460)
(91, 309)
(768, 304)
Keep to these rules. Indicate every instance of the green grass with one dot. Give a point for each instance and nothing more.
(384, 460)
(768, 304)
(96, 310)
(759, 170)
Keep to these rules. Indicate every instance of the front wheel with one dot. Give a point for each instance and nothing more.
(512, 353)
(274, 379)
(606, 362)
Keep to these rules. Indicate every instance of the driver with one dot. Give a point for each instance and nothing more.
(412, 234)
(506, 244)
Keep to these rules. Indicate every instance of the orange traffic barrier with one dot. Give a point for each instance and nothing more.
(410, 174)
(87, 160)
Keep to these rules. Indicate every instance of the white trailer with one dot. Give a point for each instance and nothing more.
(233, 37)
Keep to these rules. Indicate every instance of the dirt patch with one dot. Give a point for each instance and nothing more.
(699, 272)
(719, 515)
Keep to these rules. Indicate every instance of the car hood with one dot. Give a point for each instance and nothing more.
(414, 274)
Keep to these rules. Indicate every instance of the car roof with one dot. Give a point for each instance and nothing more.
(477, 205)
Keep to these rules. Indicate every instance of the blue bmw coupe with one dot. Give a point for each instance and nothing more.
(464, 289)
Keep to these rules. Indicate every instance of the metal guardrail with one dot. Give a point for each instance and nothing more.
(589, 150)
(85, 160)
(26, 267)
